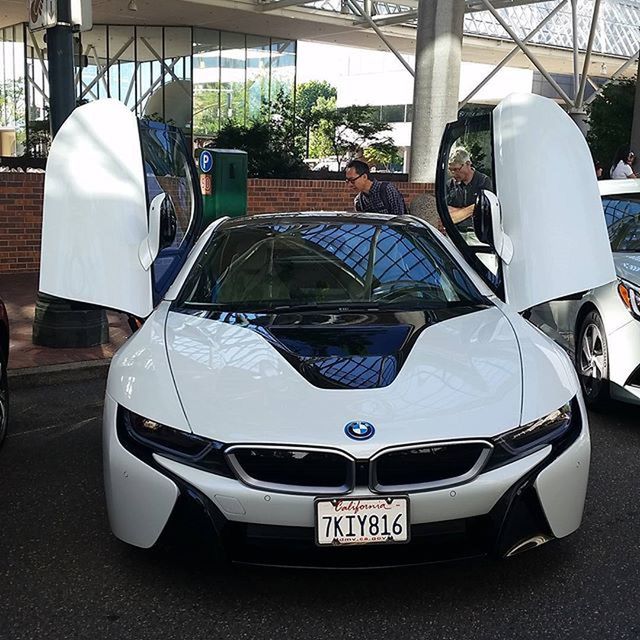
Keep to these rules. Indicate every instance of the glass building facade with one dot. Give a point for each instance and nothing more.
(195, 78)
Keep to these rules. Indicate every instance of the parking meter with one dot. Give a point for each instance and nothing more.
(223, 182)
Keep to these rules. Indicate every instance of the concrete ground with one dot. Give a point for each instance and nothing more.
(18, 292)
(64, 575)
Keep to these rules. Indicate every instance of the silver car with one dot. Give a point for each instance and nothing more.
(601, 328)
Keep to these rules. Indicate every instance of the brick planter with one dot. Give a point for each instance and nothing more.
(21, 209)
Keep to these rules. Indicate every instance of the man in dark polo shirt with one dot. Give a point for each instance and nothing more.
(463, 188)
(373, 196)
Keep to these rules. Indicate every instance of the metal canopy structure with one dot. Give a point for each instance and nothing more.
(382, 13)
(579, 27)
(359, 23)
(616, 33)
(587, 40)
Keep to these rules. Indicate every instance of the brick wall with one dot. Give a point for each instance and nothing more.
(21, 209)
(269, 196)
(20, 221)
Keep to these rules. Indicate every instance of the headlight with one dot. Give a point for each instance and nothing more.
(539, 432)
(630, 296)
(142, 436)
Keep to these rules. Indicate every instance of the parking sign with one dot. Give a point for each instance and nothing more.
(206, 161)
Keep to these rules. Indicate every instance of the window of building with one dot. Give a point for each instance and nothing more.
(194, 78)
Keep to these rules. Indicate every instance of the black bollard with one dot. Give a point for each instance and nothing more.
(58, 322)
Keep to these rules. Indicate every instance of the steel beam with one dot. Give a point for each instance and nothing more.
(587, 58)
(513, 52)
(528, 53)
(272, 5)
(39, 89)
(391, 18)
(576, 69)
(110, 63)
(101, 72)
(169, 69)
(475, 5)
(357, 9)
(621, 69)
(134, 80)
(156, 82)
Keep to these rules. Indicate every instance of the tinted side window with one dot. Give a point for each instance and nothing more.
(167, 166)
(465, 169)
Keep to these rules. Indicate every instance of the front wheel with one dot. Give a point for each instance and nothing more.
(592, 360)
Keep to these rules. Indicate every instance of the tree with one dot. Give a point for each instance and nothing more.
(12, 106)
(383, 155)
(349, 130)
(307, 96)
(13, 109)
(610, 119)
(273, 142)
(206, 108)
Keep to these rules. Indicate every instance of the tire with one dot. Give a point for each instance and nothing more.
(4, 397)
(592, 361)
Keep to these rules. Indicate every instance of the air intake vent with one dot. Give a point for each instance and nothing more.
(634, 379)
(428, 466)
(303, 470)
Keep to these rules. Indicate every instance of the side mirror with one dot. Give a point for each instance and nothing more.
(487, 223)
(162, 229)
(483, 218)
(168, 222)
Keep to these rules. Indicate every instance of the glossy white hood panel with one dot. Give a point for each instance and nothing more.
(549, 378)
(140, 378)
(462, 379)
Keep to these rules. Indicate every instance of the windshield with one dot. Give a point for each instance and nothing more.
(623, 221)
(274, 265)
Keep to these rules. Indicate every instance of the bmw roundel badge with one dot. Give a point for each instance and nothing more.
(359, 430)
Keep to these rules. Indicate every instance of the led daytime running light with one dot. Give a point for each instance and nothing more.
(184, 447)
(541, 431)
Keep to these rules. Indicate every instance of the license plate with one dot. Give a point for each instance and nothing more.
(355, 521)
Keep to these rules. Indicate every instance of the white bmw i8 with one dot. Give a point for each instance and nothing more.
(333, 389)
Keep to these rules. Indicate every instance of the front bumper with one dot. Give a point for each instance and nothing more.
(493, 514)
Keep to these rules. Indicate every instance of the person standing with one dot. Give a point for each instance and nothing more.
(373, 196)
(463, 188)
(621, 166)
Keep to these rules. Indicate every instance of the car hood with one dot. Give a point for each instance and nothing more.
(460, 379)
(628, 266)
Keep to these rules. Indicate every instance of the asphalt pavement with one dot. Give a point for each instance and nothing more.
(63, 574)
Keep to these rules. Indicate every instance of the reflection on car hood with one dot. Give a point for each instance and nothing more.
(628, 266)
(460, 379)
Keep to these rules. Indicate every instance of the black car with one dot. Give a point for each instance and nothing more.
(4, 358)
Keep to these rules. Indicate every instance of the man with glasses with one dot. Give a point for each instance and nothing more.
(373, 196)
(465, 184)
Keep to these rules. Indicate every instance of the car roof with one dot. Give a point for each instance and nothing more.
(619, 187)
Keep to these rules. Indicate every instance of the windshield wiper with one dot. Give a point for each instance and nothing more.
(335, 307)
